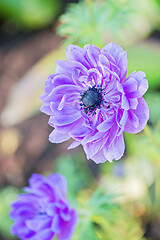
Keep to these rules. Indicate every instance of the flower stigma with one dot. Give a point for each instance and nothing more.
(91, 100)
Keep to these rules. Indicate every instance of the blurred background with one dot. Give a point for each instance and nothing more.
(33, 34)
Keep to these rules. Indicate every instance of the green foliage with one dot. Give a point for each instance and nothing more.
(84, 23)
(29, 14)
(77, 174)
(101, 218)
(99, 22)
(7, 196)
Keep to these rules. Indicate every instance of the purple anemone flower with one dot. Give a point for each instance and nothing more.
(44, 211)
(90, 99)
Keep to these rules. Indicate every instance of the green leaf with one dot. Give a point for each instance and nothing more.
(123, 21)
(101, 218)
(76, 171)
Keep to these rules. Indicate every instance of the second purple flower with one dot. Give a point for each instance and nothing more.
(90, 99)
(44, 212)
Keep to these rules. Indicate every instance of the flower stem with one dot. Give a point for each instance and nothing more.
(151, 138)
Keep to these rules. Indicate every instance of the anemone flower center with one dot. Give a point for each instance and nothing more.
(91, 99)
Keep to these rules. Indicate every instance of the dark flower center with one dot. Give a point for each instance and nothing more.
(91, 99)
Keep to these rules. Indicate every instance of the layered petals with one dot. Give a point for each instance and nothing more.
(44, 211)
(91, 100)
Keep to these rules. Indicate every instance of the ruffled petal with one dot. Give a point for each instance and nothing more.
(39, 222)
(57, 137)
(65, 234)
(76, 53)
(116, 149)
(57, 224)
(119, 56)
(142, 83)
(92, 54)
(93, 147)
(61, 79)
(99, 157)
(58, 180)
(121, 107)
(66, 67)
(137, 119)
(106, 125)
(64, 120)
(131, 85)
(45, 234)
(113, 49)
(74, 144)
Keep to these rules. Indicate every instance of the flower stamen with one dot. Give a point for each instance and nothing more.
(92, 99)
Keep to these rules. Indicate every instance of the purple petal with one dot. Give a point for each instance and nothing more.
(67, 110)
(99, 157)
(142, 82)
(69, 227)
(120, 87)
(51, 209)
(92, 54)
(122, 118)
(93, 136)
(70, 127)
(119, 56)
(66, 67)
(141, 113)
(106, 125)
(113, 49)
(45, 234)
(38, 223)
(75, 53)
(62, 103)
(106, 66)
(125, 102)
(35, 179)
(92, 148)
(46, 109)
(61, 121)
(19, 228)
(57, 137)
(61, 79)
(43, 189)
(59, 181)
(116, 150)
(74, 144)
(76, 76)
(112, 134)
(133, 103)
(57, 224)
(130, 85)
(25, 211)
(123, 64)
(65, 214)
(79, 132)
